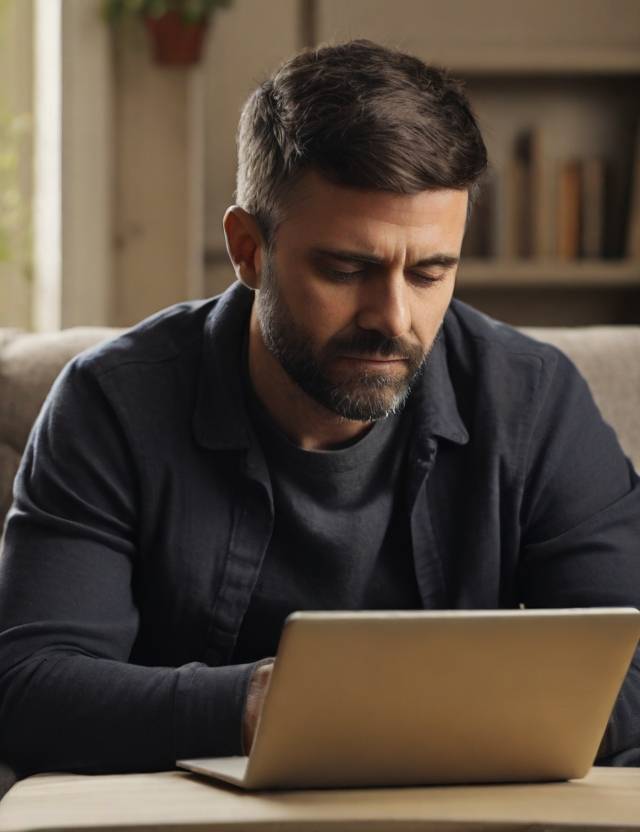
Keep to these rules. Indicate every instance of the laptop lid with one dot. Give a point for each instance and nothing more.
(408, 698)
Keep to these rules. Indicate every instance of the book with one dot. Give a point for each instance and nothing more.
(515, 183)
(544, 220)
(593, 207)
(569, 209)
(633, 225)
(526, 232)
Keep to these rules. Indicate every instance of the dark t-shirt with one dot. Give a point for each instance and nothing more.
(341, 538)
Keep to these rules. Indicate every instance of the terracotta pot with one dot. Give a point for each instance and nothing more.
(176, 42)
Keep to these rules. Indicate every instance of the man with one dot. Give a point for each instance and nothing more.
(332, 432)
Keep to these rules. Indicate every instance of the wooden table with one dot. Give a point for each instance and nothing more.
(172, 801)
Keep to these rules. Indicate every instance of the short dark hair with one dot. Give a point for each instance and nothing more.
(361, 115)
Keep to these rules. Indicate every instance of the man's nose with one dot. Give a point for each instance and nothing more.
(385, 305)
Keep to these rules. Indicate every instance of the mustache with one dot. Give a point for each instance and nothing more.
(371, 342)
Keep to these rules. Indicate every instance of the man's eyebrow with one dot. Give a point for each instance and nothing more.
(445, 260)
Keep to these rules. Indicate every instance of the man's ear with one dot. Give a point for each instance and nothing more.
(245, 245)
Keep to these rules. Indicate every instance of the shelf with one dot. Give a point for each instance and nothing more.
(535, 61)
(548, 274)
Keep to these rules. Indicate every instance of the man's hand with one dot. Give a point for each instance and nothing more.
(254, 702)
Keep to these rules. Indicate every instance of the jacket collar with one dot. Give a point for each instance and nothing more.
(220, 418)
(434, 399)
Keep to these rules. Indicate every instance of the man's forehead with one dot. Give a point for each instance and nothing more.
(317, 205)
(313, 189)
(322, 216)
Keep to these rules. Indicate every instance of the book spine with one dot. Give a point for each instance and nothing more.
(593, 209)
(569, 210)
(633, 227)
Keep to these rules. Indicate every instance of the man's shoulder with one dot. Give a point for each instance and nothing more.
(172, 334)
(473, 336)
(504, 368)
(168, 364)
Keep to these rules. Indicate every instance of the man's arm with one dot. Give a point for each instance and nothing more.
(69, 699)
(581, 521)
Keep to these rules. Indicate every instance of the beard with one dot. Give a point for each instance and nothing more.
(359, 395)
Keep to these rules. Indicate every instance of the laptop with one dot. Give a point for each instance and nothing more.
(414, 698)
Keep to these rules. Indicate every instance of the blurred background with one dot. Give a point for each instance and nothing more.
(117, 163)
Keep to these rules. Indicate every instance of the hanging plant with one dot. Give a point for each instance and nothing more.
(177, 28)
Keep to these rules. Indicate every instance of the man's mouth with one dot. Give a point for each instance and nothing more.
(374, 359)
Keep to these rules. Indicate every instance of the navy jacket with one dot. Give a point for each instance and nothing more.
(142, 512)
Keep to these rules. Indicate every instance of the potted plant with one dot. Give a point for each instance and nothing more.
(176, 28)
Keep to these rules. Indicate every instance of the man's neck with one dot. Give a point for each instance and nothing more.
(307, 423)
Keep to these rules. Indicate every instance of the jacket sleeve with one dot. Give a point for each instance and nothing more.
(69, 698)
(581, 528)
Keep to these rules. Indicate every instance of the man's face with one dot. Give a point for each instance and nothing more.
(355, 291)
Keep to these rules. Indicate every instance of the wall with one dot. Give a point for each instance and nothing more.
(87, 166)
(158, 180)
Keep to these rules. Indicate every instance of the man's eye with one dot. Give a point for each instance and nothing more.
(342, 276)
(426, 279)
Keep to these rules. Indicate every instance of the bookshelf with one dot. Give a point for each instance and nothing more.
(557, 208)
(556, 88)
(588, 274)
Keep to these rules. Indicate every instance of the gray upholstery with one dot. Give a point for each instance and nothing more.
(609, 358)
